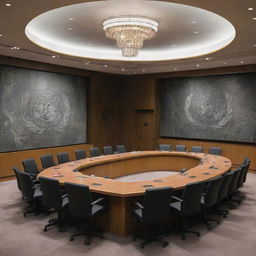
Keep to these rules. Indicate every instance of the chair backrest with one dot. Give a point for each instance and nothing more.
(17, 177)
(79, 198)
(95, 151)
(121, 149)
(234, 183)
(180, 148)
(215, 150)
(47, 161)
(191, 198)
(63, 157)
(51, 193)
(197, 149)
(108, 150)
(224, 188)
(80, 154)
(211, 192)
(26, 184)
(242, 178)
(156, 205)
(247, 161)
(30, 166)
(165, 147)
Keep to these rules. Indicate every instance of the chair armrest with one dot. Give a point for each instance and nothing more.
(139, 205)
(177, 198)
(64, 196)
(101, 199)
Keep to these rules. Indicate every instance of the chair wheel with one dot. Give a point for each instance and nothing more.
(45, 229)
(198, 234)
(71, 239)
(165, 244)
(142, 246)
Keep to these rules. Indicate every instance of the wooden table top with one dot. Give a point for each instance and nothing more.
(209, 167)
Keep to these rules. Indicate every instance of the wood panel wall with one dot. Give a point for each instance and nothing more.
(104, 112)
(14, 159)
(112, 105)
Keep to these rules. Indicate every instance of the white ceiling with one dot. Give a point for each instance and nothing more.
(174, 38)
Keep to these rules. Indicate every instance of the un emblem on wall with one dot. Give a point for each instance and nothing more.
(45, 111)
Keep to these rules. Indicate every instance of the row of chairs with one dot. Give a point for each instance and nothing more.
(66, 201)
(47, 161)
(199, 199)
(196, 149)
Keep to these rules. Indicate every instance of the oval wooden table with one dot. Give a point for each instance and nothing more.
(121, 194)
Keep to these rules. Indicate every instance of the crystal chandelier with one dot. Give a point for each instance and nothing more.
(130, 33)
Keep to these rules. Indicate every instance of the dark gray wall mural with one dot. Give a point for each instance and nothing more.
(41, 109)
(219, 107)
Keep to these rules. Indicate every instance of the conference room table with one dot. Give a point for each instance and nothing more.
(99, 174)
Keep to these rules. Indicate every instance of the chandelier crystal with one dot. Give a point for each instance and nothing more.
(130, 33)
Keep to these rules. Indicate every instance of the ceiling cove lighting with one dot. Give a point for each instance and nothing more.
(130, 33)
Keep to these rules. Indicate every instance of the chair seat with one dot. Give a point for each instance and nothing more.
(37, 192)
(64, 202)
(176, 206)
(138, 213)
(97, 209)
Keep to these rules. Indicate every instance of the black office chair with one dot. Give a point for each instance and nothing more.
(223, 194)
(30, 167)
(17, 178)
(215, 151)
(47, 161)
(82, 207)
(30, 192)
(153, 212)
(180, 148)
(233, 197)
(95, 152)
(189, 205)
(165, 147)
(63, 157)
(108, 150)
(53, 198)
(121, 149)
(210, 199)
(197, 149)
(80, 154)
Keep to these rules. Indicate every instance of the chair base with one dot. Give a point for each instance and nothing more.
(56, 222)
(149, 238)
(89, 231)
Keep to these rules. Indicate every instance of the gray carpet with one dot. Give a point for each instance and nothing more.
(235, 236)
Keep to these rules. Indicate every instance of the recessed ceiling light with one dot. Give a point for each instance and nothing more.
(71, 19)
(241, 61)
(194, 22)
(70, 28)
(224, 63)
(254, 18)
(15, 48)
(173, 45)
(196, 32)
(143, 70)
(123, 69)
(87, 62)
(175, 68)
(207, 58)
(1, 35)
(254, 45)
(53, 56)
(197, 65)
(250, 9)
(105, 65)
(8, 4)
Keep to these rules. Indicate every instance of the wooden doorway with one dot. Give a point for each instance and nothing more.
(145, 130)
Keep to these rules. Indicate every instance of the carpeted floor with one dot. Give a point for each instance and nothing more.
(235, 236)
